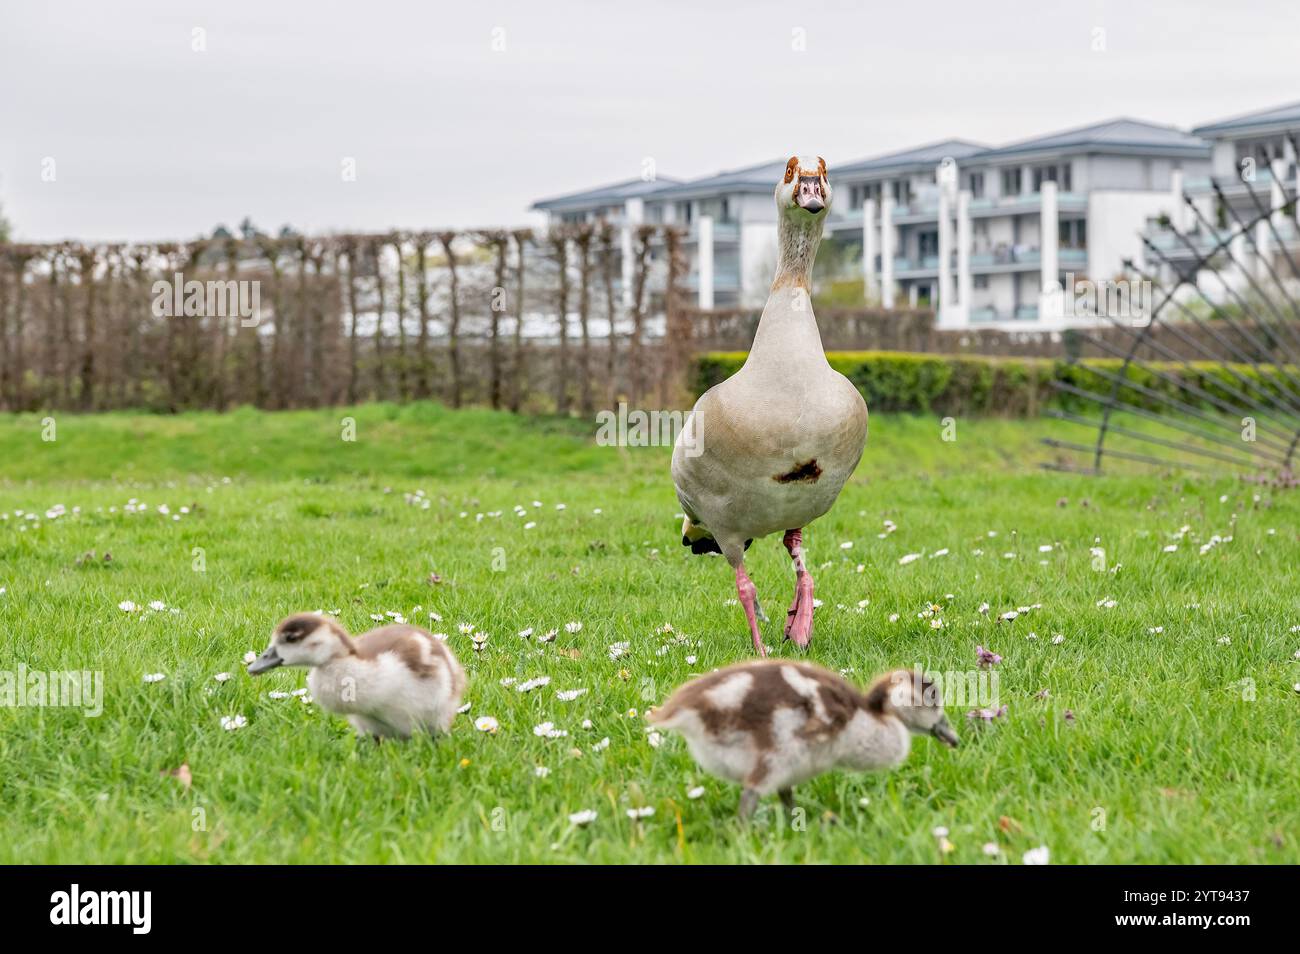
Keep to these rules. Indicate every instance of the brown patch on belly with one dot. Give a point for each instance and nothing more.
(806, 473)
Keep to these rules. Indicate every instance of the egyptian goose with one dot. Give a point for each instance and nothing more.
(771, 724)
(389, 682)
(769, 449)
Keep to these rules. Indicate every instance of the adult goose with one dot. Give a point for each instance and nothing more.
(769, 449)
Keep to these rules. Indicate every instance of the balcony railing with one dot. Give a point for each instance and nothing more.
(722, 281)
(724, 230)
(988, 314)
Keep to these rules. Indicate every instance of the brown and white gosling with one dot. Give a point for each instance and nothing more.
(389, 682)
(770, 725)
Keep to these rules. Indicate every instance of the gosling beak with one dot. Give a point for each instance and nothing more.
(943, 732)
(268, 660)
(808, 195)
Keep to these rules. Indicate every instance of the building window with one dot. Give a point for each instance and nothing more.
(1073, 233)
(1052, 173)
(1011, 181)
(980, 281)
(976, 184)
(928, 244)
(684, 212)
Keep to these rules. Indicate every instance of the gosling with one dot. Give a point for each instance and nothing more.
(770, 725)
(389, 682)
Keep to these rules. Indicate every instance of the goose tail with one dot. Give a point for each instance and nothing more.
(700, 540)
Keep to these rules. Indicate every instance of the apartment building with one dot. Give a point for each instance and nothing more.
(986, 235)
(1254, 164)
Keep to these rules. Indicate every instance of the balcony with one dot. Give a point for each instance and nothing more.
(1024, 204)
(1001, 260)
(989, 315)
(1205, 241)
(722, 282)
(923, 211)
(724, 230)
(1025, 258)
(918, 267)
(1232, 185)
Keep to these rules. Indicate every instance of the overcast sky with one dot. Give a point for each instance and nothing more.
(152, 139)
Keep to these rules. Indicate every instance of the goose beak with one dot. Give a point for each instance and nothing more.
(809, 196)
(943, 732)
(268, 660)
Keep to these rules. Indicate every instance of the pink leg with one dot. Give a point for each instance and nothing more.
(799, 620)
(748, 598)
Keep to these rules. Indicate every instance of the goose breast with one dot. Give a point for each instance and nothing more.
(768, 454)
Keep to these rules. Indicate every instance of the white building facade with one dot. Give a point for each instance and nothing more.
(986, 236)
(1243, 212)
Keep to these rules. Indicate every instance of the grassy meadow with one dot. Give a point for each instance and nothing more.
(1150, 710)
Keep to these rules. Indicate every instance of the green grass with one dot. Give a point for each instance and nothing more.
(1184, 763)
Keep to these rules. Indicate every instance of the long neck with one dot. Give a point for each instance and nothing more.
(787, 335)
(797, 242)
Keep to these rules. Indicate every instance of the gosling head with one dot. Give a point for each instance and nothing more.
(805, 192)
(915, 701)
(305, 640)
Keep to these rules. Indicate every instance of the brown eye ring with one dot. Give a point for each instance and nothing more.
(790, 168)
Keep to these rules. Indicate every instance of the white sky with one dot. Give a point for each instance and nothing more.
(152, 140)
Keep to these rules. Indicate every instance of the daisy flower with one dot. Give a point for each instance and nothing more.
(1038, 856)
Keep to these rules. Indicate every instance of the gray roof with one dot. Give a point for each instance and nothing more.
(923, 156)
(762, 177)
(1118, 135)
(603, 195)
(1279, 117)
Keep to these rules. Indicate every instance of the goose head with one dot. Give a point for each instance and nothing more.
(305, 640)
(916, 702)
(804, 192)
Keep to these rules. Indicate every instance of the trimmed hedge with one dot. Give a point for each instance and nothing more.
(977, 385)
